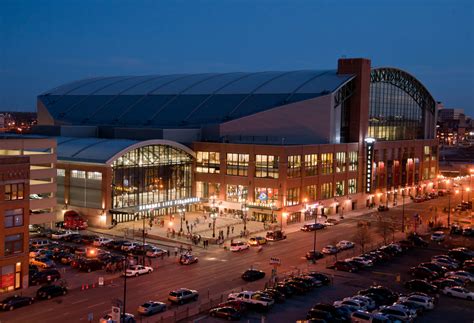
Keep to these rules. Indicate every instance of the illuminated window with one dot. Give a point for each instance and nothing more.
(339, 188)
(311, 165)
(266, 166)
(94, 175)
(265, 196)
(326, 191)
(351, 186)
(340, 162)
(208, 162)
(78, 174)
(206, 190)
(353, 161)
(237, 164)
(311, 192)
(14, 191)
(326, 163)
(293, 196)
(236, 193)
(294, 166)
(61, 172)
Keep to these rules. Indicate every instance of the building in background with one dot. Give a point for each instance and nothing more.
(270, 143)
(454, 128)
(14, 220)
(42, 179)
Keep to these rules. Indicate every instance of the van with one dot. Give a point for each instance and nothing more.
(39, 243)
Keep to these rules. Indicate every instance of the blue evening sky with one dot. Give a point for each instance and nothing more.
(47, 43)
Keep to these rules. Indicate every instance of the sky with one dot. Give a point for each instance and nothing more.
(44, 44)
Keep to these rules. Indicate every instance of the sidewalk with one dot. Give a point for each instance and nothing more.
(201, 224)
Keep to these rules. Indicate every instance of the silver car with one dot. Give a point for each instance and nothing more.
(151, 307)
(182, 295)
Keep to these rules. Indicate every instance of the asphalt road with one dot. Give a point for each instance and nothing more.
(217, 273)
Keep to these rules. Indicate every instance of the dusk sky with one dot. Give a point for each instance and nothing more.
(44, 44)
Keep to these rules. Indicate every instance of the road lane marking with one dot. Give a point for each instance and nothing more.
(80, 301)
(98, 304)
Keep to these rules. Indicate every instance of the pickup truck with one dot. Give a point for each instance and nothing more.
(253, 299)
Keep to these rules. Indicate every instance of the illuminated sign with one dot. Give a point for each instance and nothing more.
(166, 204)
(263, 196)
(369, 165)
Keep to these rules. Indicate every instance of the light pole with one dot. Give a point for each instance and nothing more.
(125, 262)
(245, 209)
(449, 210)
(181, 211)
(315, 213)
(213, 215)
(403, 210)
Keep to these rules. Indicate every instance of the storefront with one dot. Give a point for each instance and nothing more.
(10, 277)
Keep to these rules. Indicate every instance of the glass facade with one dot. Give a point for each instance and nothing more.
(352, 156)
(207, 162)
(151, 174)
(326, 164)
(394, 114)
(293, 196)
(237, 164)
(236, 193)
(266, 166)
(311, 165)
(340, 162)
(294, 166)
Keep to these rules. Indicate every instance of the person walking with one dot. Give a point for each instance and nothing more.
(232, 229)
(175, 251)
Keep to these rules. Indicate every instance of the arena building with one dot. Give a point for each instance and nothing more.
(268, 145)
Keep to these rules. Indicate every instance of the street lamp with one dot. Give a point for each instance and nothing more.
(245, 209)
(213, 215)
(403, 210)
(181, 211)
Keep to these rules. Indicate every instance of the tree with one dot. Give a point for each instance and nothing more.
(385, 227)
(362, 237)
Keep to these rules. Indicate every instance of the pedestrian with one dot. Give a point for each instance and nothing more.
(232, 229)
(168, 252)
(175, 251)
(228, 230)
(209, 225)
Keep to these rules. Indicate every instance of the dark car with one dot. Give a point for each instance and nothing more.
(337, 314)
(423, 273)
(321, 277)
(312, 227)
(91, 265)
(298, 287)
(49, 291)
(419, 285)
(382, 208)
(15, 301)
(237, 304)
(228, 313)
(278, 296)
(45, 276)
(75, 237)
(345, 266)
(445, 282)
(286, 289)
(387, 295)
(461, 254)
(434, 267)
(315, 314)
(88, 240)
(468, 232)
(252, 275)
(32, 270)
(418, 241)
(406, 244)
(314, 255)
(455, 230)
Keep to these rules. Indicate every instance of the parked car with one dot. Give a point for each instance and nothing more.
(49, 291)
(99, 242)
(423, 273)
(151, 307)
(125, 318)
(154, 252)
(445, 282)
(238, 246)
(128, 246)
(425, 302)
(330, 250)
(417, 240)
(336, 312)
(89, 265)
(45, 276)
(461, 254)
(257, 241)
(360, 316)
(138, 270)
(396, 313)
(15, 301)
(42, 262)
(182, 295)
(237, 304)
(312, 227)
(321, 277)
(253, 274)
(459, 292)
(438, 236)
(344, 244)
(314, 255)
(464, 275)
(382, 208)
(421, 286)
(434, 267)
(381, 295)
(345, 266)
(275, 235)
(362, 261)
(229, 313)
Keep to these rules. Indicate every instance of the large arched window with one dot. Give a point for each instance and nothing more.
(398, 105)
(151, 174)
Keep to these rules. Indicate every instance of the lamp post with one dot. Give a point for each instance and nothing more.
(315, 213)
(403, 210)
(245, 209)
(213, 215)
(125, 262)
(181, 211)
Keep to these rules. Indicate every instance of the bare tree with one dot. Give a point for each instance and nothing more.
(386, 226)
(363, 237)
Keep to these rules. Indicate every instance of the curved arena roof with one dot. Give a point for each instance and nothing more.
(183, 100)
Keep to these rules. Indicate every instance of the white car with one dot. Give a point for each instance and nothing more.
(351, 302)
(238, 246)
(364, 316)
(330, 250)
(155, 252)
(395, 313)
(367, 301)
(128, 246)
(438, 236)
(464, 275)
(138, 270)
(401, 307)
(344, 244)
(459, 292)
(425, 302)
(62, 234)
(98, 242)
(365, 262)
